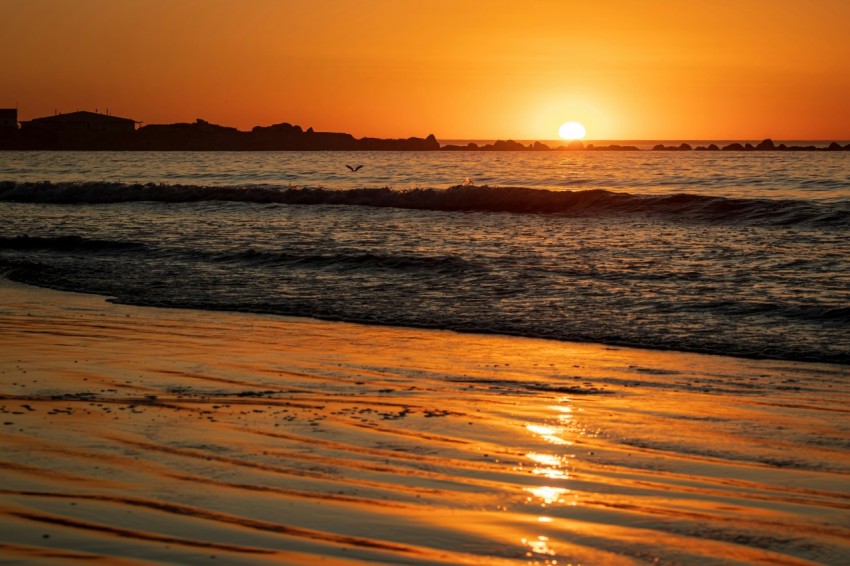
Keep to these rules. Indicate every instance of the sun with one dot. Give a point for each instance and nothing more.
(572, 131)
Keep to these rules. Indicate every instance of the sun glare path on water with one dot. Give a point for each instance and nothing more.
(572, 131)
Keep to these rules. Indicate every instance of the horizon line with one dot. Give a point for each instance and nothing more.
(448, 139)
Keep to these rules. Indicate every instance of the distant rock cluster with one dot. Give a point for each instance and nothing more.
(765, 145)
(512, 145)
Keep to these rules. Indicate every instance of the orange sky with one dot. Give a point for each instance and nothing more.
(737, 69)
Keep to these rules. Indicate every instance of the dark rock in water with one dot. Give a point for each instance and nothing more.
(847, 147)
(575, 145)
(468, 147)
(748, 147)
(502, 145)
(766, 145)
(802, 148)
(410, 144)
(782, 147)
(685, 147)
(540, 146)
(713, 147)
(700, 148)
(660, 147)
(733, 147)
(834, 146)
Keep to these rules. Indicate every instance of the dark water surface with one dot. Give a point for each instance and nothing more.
(741, 254)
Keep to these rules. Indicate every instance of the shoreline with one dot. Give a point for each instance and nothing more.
(839, 360)
(175, 435)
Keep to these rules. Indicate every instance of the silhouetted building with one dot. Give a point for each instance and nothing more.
(8, 118)
(80, 121)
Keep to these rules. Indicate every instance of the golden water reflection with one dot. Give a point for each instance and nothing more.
(550, 434)
(553, 466)
(549, 495)
(539, 545)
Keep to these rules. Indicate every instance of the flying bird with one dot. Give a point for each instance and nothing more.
(354, 168)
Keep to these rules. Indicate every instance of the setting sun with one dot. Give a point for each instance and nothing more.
(572, 131)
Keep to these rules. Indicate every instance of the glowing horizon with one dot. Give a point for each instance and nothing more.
(472, 70)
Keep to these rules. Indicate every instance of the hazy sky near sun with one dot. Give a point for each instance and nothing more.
(726, 69)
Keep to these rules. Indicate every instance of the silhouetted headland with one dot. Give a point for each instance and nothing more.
(94, 131)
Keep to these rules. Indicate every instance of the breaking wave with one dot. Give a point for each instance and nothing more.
(520, 200)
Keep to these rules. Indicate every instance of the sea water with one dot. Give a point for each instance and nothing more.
(741, 253)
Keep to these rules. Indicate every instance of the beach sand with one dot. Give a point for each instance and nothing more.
(155, 435)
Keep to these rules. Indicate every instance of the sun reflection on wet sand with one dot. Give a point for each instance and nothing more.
(550, 434)
(547, 494)
(539, 545)
(551, 466)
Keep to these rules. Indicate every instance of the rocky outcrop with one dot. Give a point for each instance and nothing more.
(680, 147)
(501, 145)
(468, 147)
(409, 144)
(201, 135)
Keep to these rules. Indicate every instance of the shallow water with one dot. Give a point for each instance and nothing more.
(179, 436)
(732, 253)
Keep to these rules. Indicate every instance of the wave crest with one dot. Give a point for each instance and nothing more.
(518, 200)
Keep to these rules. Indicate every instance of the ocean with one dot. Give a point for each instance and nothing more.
(733, 253)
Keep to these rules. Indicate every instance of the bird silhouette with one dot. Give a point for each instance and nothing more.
(354, 168)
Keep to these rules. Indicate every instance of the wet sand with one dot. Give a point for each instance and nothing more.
(153, 435)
